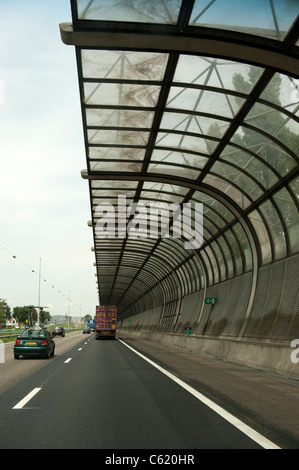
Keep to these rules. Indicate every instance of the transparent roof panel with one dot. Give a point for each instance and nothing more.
(276, 229)
(269, 18)
(238, 196)
(139, 11)
(111, 153)
(294, 186)
(178, 171)
(113, 184)
(263, 236)
(283, 91)
(244, 245)
(214, 72)
(179, 158)
(277, 124)
(271, 152)
(116, 166)
(239, 178)
(290, 215)
(117, 137)
(164, 187)
(101, 198)
(213, 206)
(119, 94)
(158, 196)
(251, 165)
(119, 117)
(194, 123)
(101, 64)
(203, 101)
(186, 142)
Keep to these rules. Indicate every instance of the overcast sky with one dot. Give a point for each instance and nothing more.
(44, 202)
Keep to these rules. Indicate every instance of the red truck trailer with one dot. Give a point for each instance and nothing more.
(105, 324)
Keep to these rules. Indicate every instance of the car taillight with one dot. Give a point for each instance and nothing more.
(17, 342)
(44, 342)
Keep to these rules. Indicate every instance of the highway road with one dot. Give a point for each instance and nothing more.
(105, 395)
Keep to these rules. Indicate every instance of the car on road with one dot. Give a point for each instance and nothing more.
(58, 331)
(34, 342)
(86, 330)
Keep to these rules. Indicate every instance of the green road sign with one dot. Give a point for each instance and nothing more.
(210, 300)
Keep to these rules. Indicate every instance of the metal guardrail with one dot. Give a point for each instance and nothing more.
(9, 336)
(17, 334)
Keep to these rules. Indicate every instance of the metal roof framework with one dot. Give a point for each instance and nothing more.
(186, 103)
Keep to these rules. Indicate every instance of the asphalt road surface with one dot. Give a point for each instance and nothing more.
(104, 395)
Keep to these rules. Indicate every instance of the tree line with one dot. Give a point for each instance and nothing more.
(23, 314)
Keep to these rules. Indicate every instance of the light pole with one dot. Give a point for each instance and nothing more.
(38, 303)
(68, 318)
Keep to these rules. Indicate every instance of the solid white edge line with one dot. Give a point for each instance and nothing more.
(250, 432)
(25, 400)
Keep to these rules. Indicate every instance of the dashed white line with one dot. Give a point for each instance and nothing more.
(30, 395)
(25, 400)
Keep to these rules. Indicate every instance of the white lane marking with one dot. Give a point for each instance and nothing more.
(26, 399)
(254, 435)
(30, 395)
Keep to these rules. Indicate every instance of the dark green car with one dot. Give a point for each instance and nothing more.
(34, 342)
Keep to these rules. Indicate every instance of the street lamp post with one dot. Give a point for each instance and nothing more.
(38, 303)
(68, 318)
